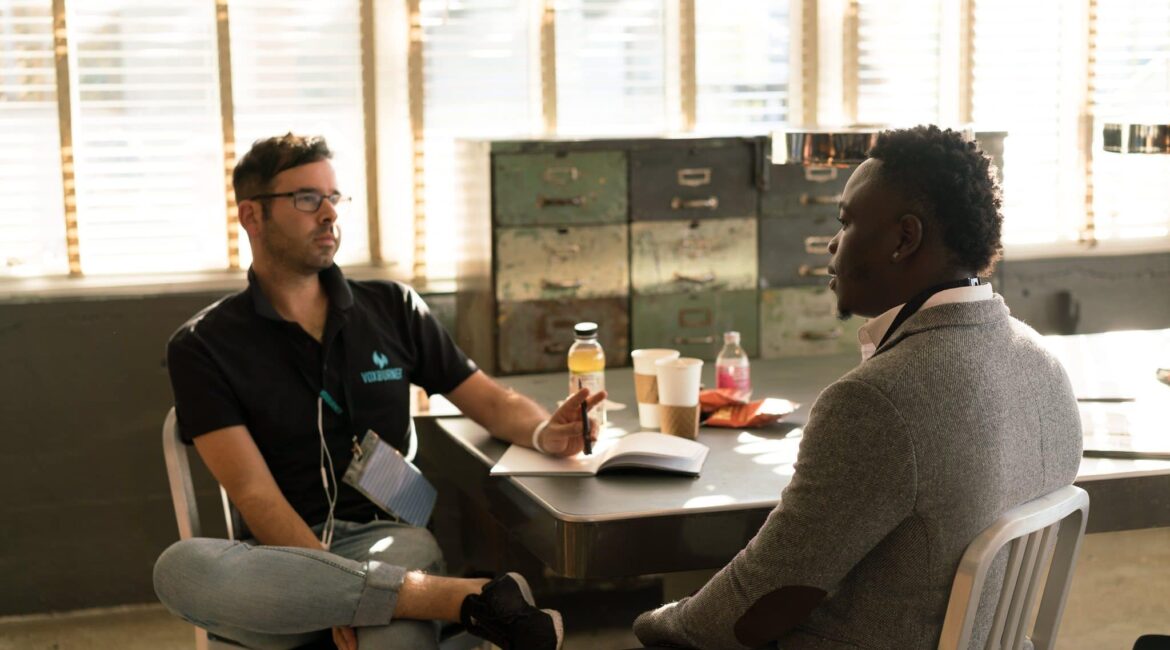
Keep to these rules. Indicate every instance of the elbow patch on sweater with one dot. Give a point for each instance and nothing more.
(776, 614)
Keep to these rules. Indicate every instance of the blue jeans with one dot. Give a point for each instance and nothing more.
(281, 597)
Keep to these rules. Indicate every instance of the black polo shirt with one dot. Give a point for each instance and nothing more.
(238, 362)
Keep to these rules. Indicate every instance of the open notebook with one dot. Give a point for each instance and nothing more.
(656, 451)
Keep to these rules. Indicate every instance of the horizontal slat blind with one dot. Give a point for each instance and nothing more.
(32, 221)
(741, 60)
(297, 66)
(610, 67)
(476, 84)
(898, 67)
(147, 137)
(1132, 84)
(1023, 63)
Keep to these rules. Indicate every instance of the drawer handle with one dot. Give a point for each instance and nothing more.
(705, 278)
(694, 317)
(809, 271)
(822, 335)
(561, 284)
(560, 175)
(557, 201)
(819, 199)
(691, 204)
(694, 340)
(556, 348)
(820, 174)
(694, 177)
(817, 245)
(563, 252)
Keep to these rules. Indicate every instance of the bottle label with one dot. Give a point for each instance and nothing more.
(733, 377)
(595, 382)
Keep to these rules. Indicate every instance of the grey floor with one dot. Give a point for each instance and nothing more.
(1121, 590)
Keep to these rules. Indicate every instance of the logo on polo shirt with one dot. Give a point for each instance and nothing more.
(382, 373)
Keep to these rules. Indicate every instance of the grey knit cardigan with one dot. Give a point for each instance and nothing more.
(958, 417)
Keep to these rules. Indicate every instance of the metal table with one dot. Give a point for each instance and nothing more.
(617, 525)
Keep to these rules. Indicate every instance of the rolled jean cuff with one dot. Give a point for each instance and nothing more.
(379, 595)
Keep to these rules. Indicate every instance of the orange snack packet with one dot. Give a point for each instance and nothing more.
(755, 414)
(713, 399)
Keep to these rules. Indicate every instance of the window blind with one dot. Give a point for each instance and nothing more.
(741, 65)
(477, 84)
(146, 135)
(1026, 83)
(1131, 84)
(32, 223)
(610, 67)
(297, 66)
(898, 61)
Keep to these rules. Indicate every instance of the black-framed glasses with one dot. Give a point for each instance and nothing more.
(308, 200)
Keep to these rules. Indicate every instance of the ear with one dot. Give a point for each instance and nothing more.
(249, 213)
(909, 236)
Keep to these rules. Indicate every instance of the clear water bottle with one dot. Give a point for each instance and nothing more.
(587, 364)
(732, 370)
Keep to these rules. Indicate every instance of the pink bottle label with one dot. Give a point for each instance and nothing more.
(736, 378)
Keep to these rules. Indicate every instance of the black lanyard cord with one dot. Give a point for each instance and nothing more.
(914, 304)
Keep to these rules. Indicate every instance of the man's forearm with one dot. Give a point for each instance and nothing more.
(274, 523)
(518, 417)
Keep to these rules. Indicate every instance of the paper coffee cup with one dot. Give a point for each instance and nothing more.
(678, 396)
(646, 383)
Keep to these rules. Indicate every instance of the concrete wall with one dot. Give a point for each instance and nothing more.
(86, 507)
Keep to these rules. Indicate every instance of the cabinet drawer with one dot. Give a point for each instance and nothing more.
(693, 181)
(796, 190)
(554, 263)
(535, 336)
(559, 188)
(794, 250)
(693, 323)
(698, 255)
(803, 322)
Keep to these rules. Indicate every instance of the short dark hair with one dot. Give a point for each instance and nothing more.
(268, 157)
(951, 179)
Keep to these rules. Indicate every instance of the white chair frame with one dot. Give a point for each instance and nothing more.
(1030, 529)
(187, 510)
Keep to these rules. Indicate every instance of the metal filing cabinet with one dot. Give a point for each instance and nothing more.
(546, 247)
(693, 255)
(693, 323)
(693, 238)
(802, 321)
(798, 218)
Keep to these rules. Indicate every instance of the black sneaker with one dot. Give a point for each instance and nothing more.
(505, 614)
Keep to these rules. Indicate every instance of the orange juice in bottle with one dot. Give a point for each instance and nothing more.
(587, 364)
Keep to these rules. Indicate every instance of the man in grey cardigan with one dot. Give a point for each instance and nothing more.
(955, 415)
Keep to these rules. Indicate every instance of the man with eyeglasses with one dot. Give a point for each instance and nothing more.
(277, 385)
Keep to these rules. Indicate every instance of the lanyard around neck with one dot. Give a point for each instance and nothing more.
(914, 304)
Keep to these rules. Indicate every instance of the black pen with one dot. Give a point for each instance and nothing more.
(585, 429)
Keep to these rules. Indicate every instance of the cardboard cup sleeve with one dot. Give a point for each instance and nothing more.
(681, 421)
(646, 388)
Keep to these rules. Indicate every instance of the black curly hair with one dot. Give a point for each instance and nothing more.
(952, 181)
(268, 157)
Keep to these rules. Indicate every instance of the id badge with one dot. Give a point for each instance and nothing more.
(394, 484)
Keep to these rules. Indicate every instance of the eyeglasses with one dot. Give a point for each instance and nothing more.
(308, 200)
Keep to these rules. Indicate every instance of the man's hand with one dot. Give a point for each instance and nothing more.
(345, 638)
(562, 436)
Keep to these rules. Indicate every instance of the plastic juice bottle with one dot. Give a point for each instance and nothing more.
(732, 370)
(587, 363)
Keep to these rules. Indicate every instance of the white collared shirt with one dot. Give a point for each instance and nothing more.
(875, 328)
